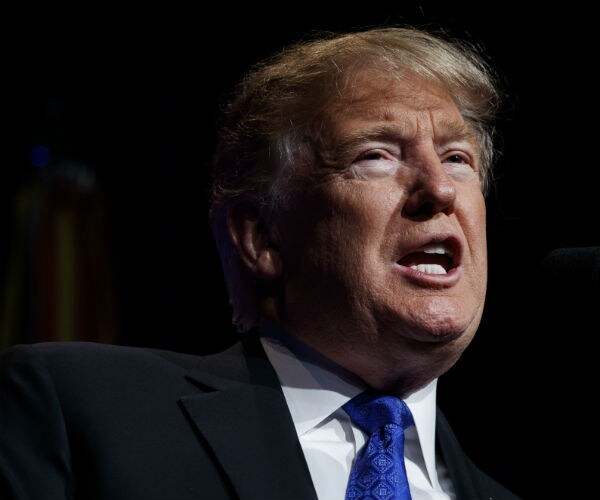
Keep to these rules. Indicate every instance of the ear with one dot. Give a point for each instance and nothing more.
(250, 236)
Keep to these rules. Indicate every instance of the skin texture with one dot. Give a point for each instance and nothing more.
(407, 176)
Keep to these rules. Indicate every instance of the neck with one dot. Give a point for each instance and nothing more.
(383, 370)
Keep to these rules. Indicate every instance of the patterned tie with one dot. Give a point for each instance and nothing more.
(378, 471)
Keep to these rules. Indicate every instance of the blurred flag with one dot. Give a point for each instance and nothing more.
(60, 280)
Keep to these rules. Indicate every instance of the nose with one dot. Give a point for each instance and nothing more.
(431, 191)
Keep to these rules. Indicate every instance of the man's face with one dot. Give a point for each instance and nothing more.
(385, 262)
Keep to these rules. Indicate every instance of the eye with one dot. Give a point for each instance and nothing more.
(376, 162)
(456, 158)
(459, 160)
(371, 155)
(460, 166)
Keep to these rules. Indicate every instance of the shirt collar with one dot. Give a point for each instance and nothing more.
(315, 387)
(422, 405)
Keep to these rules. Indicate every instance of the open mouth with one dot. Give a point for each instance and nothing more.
(433, 258)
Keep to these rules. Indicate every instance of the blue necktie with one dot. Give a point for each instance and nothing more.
(378, 472)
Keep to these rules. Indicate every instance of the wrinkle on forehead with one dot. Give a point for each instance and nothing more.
(367, 86)
(388, 107)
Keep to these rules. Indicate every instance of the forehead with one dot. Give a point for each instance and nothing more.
(409, 104)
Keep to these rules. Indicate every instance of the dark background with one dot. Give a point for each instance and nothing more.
(132, 94)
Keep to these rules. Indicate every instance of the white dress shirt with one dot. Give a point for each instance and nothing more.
(315, 389)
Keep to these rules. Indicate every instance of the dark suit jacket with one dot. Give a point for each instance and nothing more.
(85, 420)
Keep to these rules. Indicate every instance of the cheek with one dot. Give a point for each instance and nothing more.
(474, 227)
(336, 234)
(481, 233)
(473, 220)
(316, 238)
(339, 239)
(349, 230)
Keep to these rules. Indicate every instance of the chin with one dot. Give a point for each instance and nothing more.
(444, 321)
(441, 332)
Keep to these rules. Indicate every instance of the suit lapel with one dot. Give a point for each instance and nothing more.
(245, 420)
(470, 483)
(459, 467)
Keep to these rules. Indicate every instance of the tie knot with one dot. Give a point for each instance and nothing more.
(371, 411)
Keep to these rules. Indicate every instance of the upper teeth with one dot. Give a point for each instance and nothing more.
(438, 248)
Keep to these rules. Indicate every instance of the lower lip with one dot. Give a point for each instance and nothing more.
(430, 280)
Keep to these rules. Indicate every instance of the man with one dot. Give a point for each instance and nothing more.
(348, 209)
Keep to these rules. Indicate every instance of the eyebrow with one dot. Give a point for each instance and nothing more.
(446, 131)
